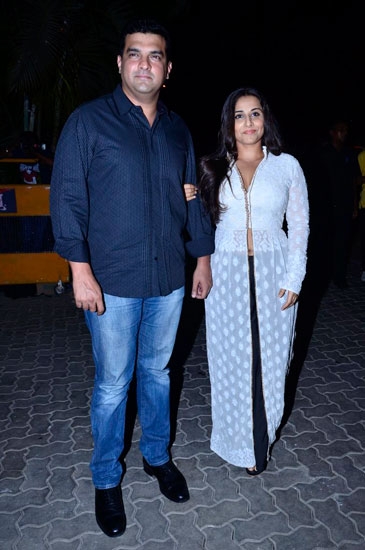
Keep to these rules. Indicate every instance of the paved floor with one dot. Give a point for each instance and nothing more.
(312, 496)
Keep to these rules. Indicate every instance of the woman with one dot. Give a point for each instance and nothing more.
(253, 191)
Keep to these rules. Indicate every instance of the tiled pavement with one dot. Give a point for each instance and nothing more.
(312, 496)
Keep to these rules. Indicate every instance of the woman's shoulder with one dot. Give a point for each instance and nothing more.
(284, 159)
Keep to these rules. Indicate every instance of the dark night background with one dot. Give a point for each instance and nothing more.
(308, 59)
(309, 62)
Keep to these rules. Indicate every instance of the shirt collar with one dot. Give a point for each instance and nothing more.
(124, 104)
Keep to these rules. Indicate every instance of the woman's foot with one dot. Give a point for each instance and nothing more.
(254, 471)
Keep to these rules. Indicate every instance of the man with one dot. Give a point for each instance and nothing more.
(338, 171)
(361, 160)
(120, 218)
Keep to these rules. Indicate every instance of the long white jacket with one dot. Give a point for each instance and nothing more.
(276, 198)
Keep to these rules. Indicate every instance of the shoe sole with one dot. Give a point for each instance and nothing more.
(111, 535)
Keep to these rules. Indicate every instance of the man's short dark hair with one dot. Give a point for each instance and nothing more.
(146, 25)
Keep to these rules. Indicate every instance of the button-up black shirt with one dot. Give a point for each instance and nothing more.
(117, 199)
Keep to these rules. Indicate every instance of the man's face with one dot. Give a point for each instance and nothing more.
(341, 131)
(143, 66)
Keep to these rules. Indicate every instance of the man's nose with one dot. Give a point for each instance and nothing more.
(144, 62)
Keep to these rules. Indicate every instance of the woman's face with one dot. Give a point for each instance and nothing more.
(249, 120)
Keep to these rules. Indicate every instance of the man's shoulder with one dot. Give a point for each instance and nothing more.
(89, 112)
(96, 103)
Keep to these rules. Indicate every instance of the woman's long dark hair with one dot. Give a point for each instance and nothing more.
(215, 167)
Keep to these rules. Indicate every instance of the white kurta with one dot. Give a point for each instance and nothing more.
(278, 190)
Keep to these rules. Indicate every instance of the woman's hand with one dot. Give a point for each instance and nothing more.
(291, 298)
(190, 191)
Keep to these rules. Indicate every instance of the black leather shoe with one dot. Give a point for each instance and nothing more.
(171, 481)
(109, 511)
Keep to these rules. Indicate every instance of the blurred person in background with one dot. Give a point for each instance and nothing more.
(337, 170)
(361, 160)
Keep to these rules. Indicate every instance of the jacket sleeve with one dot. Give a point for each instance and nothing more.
(297, 216)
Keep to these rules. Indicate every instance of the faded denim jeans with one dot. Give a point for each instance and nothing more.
(133, 335)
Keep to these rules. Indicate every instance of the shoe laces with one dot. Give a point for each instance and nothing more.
(110, 498)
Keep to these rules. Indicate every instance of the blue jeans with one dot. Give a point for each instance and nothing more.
(133, 335)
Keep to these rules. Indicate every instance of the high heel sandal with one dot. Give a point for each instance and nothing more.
(255, 471)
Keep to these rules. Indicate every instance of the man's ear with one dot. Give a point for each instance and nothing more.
(119, 63)
(169, 67)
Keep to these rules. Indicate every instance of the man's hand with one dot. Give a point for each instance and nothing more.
(86, 289)
(202, 278)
